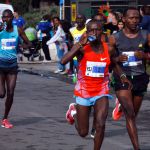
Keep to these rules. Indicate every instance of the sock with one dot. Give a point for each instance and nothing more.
(73, 112)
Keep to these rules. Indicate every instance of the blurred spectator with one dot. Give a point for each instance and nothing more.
(59, 38)
(120, 25)
(75, 35)
(99, 17)
(18, 20)
(44, 29)
(145, 13)
(111, 25)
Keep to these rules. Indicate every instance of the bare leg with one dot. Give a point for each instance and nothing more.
(2, 85)
(137, 101)
(125, 98)
(82, 120)
(100, 115)
(11, 83)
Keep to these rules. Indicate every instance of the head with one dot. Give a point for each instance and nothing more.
(131, 18)
(46, 17)
(16, 14)
(56, 21)
(112, 18)
(94, 28)
(120, 24)
(7, 17)
(80, 20)
(145, 10)
(100, 18)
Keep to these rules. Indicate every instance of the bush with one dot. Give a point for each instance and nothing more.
(34, 16)
(21, 5)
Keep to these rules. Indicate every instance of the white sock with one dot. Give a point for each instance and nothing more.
(73, 112)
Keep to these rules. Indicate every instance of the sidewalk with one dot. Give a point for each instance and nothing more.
(45, 69)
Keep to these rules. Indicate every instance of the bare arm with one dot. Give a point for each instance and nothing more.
(114, 61)
(75, 50)
(144, 55)
(24, 37)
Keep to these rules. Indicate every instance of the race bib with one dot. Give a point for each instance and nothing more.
(95, 69)
(8, 44)
(132, 60)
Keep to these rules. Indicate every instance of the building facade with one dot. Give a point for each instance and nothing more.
(90, 7)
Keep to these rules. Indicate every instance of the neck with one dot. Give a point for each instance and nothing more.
(9, 28)
(130, 31)
(96, 46)
(80, 28)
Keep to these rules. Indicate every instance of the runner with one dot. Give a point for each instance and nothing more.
(94, 60)
(76, 33)
(132, 56)
(8, 61)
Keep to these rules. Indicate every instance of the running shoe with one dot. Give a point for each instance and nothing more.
(70, 112)
(58, 71)
(6, 124)
(117, 112)
(93, 131)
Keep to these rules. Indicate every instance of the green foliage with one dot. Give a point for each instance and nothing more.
(21, 5)
(34, 16)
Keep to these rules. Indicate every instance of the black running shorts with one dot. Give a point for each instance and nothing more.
(12, 70)
(139, 82)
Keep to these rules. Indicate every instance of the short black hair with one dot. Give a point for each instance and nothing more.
(8, 11)
(56, 18)
(83, 16)
(16, 9)
(129, 8)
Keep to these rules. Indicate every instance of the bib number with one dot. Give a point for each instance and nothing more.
(95, 69)
(8, 44)
(132, 60)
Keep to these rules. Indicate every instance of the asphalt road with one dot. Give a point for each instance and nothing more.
(38, 115)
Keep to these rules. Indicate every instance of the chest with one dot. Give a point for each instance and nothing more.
(125, 44)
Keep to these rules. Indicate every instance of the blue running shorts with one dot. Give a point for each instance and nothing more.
(90, 101)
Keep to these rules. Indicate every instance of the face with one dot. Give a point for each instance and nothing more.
(56, 22)
(7, 17)
(100, 18)
(132, 19)
(120, 25)
(111, 18)
(94, 29)
(15, 14)
(80, 21)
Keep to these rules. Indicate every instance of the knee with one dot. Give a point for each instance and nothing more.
(100, 125)
(130, 112)
(2, 95)
(83, 132)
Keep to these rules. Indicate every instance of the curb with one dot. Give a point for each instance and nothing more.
(47, 74)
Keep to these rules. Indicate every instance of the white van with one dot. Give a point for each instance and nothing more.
(3, 7)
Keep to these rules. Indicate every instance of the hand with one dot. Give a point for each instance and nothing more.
(124, 81)
(139, 54)
(122, 58)
(84, 39)
(1, 26)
